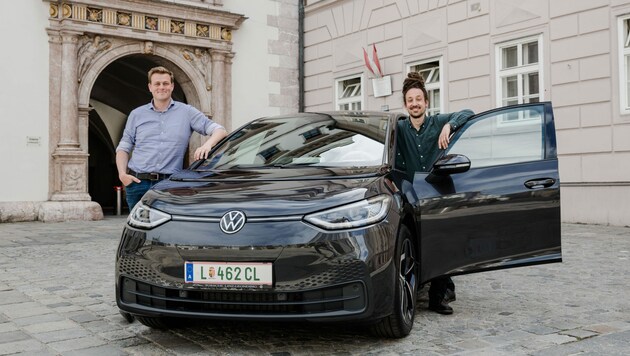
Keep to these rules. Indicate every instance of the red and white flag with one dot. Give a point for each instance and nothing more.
(373, 64)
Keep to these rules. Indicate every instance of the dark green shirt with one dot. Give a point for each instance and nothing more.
(417, 150)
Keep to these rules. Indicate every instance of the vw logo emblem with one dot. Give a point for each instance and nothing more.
(232, 222)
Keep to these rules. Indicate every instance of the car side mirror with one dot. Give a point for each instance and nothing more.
(451, 164)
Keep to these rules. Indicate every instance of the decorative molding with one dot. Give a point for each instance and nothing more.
(144, 21)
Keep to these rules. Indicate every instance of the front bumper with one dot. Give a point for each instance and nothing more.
(329, 276)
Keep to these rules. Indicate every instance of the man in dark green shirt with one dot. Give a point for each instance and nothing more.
(420, 139)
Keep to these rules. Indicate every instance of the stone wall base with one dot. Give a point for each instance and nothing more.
(50, 211)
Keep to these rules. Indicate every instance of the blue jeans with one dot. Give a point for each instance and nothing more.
(135, 191)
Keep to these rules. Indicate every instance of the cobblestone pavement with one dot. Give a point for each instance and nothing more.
(57, 298)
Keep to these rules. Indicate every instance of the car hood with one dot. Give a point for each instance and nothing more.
(263, 192)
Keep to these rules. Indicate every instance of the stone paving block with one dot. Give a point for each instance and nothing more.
(541, 330)
(100, 326)
(60, 335)
(23, 310)
(12, 336)
(506, 338)
(39, 352)
(105, 350)
(471, 344)
(38, 319)
(50, 326)
(578, 333)
(68, 309)
(147, 349)
(555, 339)
(125, 343)
(58, 305)
(21, 346)
(117, 335)
(83, 317)
(5, 327)
(12, 297)
(76, 344)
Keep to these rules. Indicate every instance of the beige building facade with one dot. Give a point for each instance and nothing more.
(482, 54)
(75, 69)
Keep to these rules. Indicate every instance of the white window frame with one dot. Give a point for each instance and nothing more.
(624, 58)
(357, 94)
(434, 108)
(520, 70)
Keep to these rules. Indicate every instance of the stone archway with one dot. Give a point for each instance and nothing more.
(84, 40)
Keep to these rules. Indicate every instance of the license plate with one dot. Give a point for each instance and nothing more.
(253, 274)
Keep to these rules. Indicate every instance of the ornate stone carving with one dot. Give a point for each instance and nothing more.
(123, 19)
(72, 178)
(177, 26)
(66, 11)
(147, 47)
(151, 23)
(200, 59)
(54, 10)
(203, 30)
(226, 34)
(94, 15)
(90, 48)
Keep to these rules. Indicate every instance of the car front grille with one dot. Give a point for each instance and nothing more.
(343, 299)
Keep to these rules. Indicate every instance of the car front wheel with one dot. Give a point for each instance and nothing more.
(400, 322)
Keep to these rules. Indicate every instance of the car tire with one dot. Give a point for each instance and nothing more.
(129, 317)
(400, 322)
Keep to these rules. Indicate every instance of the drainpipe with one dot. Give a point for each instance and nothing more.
(301, 55)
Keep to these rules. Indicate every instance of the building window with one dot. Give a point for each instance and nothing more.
(519, 77)
(624, 45)
(432, 74)
(349, 93)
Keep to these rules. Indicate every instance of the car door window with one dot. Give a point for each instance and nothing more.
(503, 137)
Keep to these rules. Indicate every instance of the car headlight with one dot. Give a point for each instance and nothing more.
(145, 217)
(362, 213)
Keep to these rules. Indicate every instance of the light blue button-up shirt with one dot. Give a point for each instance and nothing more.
(159, 139)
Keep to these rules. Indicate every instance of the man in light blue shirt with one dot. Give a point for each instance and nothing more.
(158, 134)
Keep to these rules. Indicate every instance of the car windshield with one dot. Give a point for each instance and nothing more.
(343, 140)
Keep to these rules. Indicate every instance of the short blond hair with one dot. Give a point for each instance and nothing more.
(160, 70)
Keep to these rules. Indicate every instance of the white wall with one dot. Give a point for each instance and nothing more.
(24, 101)
(250, 69)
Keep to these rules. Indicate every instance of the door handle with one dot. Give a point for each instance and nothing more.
(540, 183)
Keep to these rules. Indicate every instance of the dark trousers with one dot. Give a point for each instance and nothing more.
(135, 191)
(439, 287)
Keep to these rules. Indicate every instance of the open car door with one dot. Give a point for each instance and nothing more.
(492, 200)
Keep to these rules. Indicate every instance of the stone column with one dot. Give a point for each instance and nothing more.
(228, 91)
(84, 125)
(218, 86)
(69, 139)
(69, 199)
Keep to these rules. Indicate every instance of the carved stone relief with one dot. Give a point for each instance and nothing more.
(200, 59)
(72, 178)
(90, 48)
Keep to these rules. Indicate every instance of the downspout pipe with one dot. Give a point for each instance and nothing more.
(301, 55)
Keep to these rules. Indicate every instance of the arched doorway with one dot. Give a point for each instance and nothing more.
(119, 88)
(116, 44)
